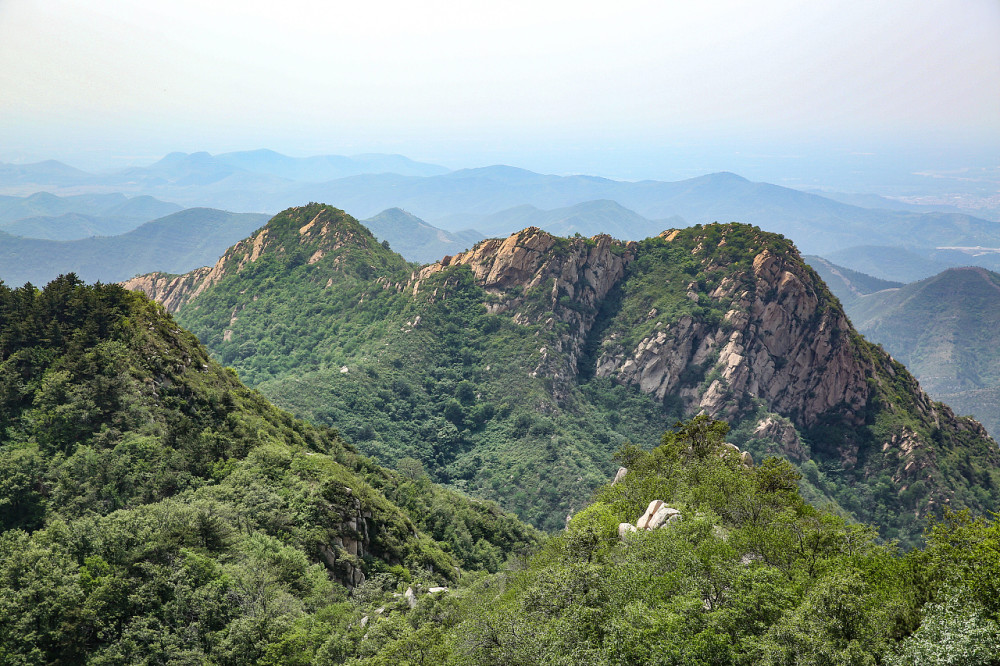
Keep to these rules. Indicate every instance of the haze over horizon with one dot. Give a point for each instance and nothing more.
(856, 95)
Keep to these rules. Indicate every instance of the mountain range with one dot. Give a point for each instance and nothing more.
(513, 371)
(588, 218)
(44, 215)
(177, 242)
(943, 328)
(263, 181)
(154, 509)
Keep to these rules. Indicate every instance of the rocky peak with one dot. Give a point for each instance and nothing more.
(782, 340)
(303, 235)
(544, 279)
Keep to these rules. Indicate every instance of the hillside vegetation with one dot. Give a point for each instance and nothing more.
(943, 329)
(155, 510)
(748, 573)
(514, 371)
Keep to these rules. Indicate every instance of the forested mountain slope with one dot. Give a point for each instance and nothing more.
(743, 572)
(155, 510)
(944, 329)
(516, 369)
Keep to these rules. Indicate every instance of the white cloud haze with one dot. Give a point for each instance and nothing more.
(473, 82)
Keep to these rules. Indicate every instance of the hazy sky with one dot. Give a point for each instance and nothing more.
(628, 88)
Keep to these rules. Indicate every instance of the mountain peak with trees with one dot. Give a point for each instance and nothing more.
(513, 371)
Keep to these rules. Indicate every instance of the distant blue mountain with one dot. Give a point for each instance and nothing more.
(588, 218)
(174, 244)
(322, 168)
(45, 215)
(415, 239)
(265, 181)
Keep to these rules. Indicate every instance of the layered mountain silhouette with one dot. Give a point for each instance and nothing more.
(177, 242)
(261, 181)
(44, 215)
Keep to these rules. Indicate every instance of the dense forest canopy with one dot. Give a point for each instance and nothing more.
(153, 509)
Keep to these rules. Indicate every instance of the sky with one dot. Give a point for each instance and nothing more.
(630, 89)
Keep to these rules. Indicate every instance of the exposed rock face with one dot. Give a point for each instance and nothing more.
(657, 514)
(176, 291)
(775, 343)
(783, 340)
(779, 341)
(344, 554)
(172, 291)
(576, 274)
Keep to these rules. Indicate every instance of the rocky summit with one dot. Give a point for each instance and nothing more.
(515, 370)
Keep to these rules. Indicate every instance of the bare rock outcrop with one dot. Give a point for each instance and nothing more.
(783, 435)
(619, 475)
(345, 552)
(624, 529)
(778, 342)
(172, 291)
(657, 514)
(570, 277)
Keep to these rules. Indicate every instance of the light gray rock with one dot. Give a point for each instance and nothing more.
(622, 471)
(624, 529)
(663, 515)
(411, 598)
(657, 513)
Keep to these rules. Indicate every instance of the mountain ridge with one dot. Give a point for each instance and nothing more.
(819, 225)
(539, 330)
(180, 241)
